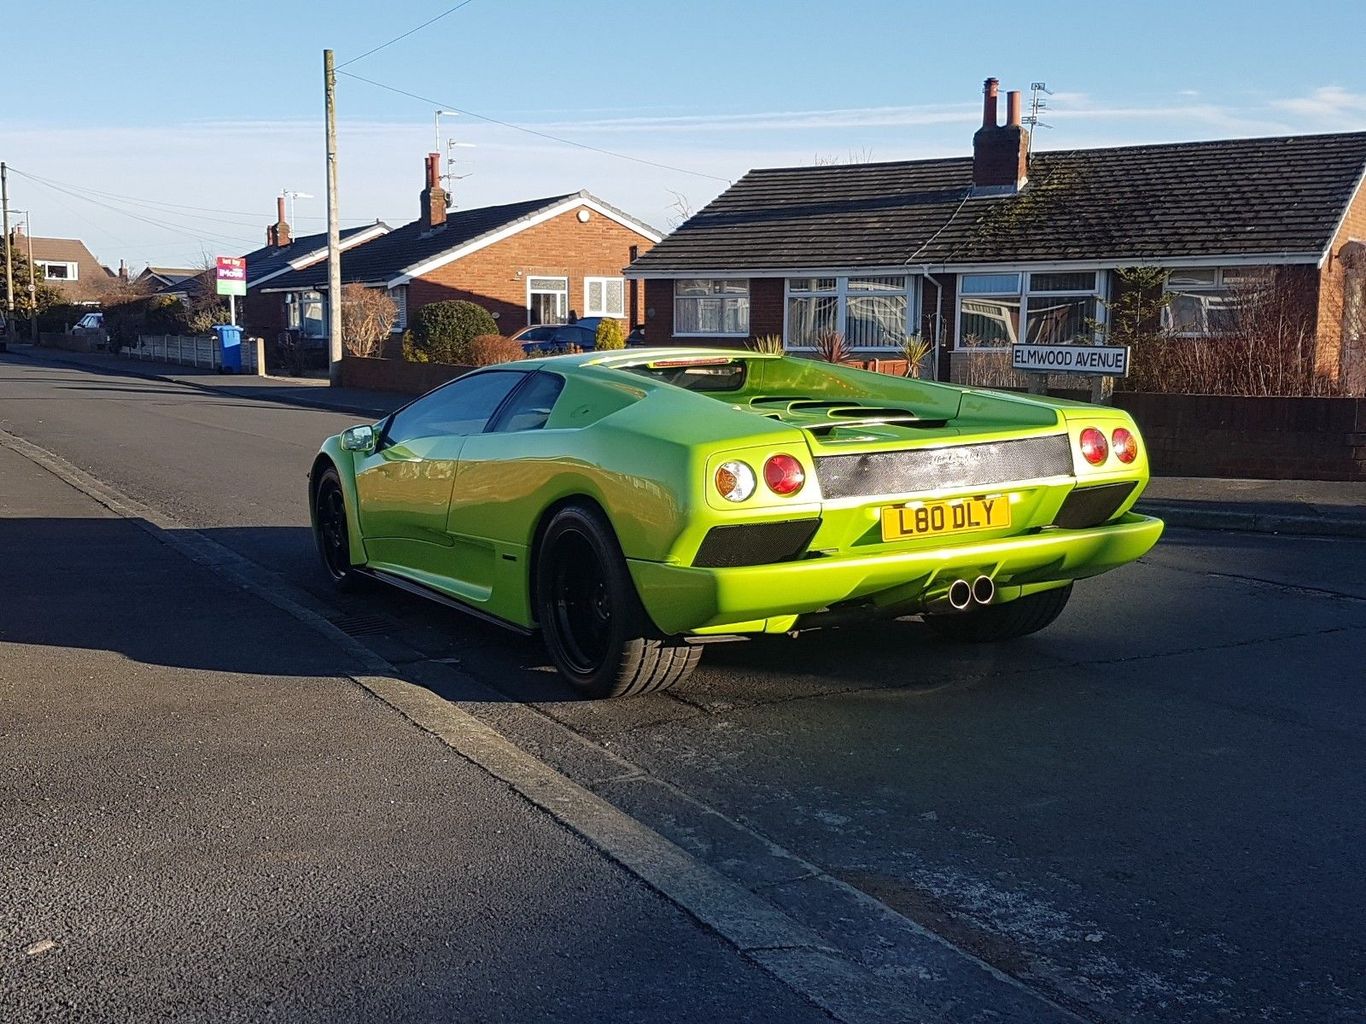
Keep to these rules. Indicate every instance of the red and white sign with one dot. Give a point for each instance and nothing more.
(232, 275)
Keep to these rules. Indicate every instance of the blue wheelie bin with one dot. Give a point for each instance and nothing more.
(229, 348)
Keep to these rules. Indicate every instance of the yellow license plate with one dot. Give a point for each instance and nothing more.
(935, 518)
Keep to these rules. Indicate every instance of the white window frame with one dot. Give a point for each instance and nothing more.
(1098, 292)
(1219, 286)
(693, 298)
(73, 269)
(562, 290)
(590, 310)
(399, 296)
(841, 293)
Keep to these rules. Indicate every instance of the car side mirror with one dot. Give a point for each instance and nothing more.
(358, 439)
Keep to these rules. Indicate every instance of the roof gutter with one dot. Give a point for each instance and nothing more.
(1112, 263)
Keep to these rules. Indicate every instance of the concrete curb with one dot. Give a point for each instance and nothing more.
(213, 388)
(1247, 521)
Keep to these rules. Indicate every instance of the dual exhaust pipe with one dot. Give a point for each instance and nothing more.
(962, 595)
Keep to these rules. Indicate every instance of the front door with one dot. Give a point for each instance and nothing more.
(404, 486)
(547, 300)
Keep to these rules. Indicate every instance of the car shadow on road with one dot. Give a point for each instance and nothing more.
(127, 587)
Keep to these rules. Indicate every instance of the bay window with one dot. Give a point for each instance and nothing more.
(714, 307)
(871, 312)
(1203, 301)
(1041, 307)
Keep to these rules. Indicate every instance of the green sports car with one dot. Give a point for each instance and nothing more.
(630, 503)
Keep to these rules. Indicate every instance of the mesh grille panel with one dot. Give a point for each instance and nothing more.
(1091, 506)
(964, 465)
(755, 543)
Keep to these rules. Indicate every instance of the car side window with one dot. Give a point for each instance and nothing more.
(530, 408)
(538, 334)
(460, 408)
(571, 335)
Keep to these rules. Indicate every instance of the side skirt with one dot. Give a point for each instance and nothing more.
(421, 590)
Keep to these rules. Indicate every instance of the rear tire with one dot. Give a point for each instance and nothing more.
(1007, 621)
(595, 628)
(331, 531)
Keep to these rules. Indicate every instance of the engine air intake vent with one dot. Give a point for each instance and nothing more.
(1091, 506)
(755, 543)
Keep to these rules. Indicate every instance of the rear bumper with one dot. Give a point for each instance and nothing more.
(682, 599)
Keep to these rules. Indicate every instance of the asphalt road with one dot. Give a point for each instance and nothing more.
(1151, 811)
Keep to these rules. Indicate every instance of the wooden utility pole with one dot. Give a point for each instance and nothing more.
(32, 284)
(334, 316)
(9, 262)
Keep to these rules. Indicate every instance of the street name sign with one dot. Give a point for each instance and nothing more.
(1098, 360)
(232, 275)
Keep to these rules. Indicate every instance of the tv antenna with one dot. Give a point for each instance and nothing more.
(1037, 103)
(1037, 92)
(292, 195)
(450, 177)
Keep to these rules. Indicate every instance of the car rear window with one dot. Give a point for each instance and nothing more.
(696, 374)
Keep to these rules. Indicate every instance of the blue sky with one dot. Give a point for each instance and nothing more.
(194, 116)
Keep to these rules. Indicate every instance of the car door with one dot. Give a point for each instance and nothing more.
(498, 495)
(404, 485)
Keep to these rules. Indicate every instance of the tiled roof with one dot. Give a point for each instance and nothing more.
(171, 275)
(90, 274)
(268, 259)
(384, 258)
(1269, 197)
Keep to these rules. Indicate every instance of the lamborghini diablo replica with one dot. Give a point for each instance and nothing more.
(627, 503)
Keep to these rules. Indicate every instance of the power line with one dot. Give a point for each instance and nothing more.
(405, 35)
(533, 131)
(142, 200)
(178, 228)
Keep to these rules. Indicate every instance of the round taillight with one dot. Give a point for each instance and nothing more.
(784, 474)
(1125, 445)
(735, 481)
(1094, 447)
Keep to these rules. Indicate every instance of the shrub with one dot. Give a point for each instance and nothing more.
(771, 344)
(488, 349)
(367, 316)
(411, 352)
(444, 330)
(610, 336)
(915, 349)
(831, 347)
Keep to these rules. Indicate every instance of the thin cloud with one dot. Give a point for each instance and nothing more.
(1329, 102)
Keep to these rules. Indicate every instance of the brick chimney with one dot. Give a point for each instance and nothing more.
(1000, 155)
(277, 234)
(123, 271)
(433, 196)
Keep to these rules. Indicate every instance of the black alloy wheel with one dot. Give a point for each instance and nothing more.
(595, 628)
(331, 531)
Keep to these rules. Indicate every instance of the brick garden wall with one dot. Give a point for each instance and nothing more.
(397, 375)
(1256, 438)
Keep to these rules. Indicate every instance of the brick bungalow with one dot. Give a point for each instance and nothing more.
(1008, 246)
(535, 261)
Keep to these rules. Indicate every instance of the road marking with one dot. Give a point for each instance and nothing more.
(762, 933)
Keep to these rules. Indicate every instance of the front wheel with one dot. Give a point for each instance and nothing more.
(1007, 621)
(595, 628)
(331, 532)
